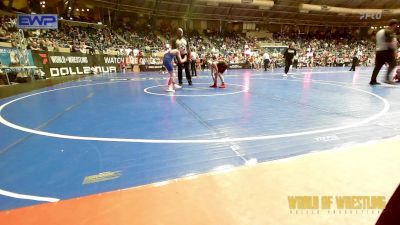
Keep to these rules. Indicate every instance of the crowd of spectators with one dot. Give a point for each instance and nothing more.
(77, 38)
(145, 39)
(323, 52)
(315, 49)
(329, 49)
(8, 32)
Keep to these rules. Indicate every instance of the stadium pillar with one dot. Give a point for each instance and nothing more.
(10, 3)
(153, 16)
(114, 20)
(109, 17)
(189, 15)
(69, 8)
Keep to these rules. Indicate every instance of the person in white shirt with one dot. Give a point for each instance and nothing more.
(266, 61)
(194, 57)
(386, 47)
(135, 52)
(93, 70)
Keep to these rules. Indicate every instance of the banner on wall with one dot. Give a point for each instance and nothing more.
(56, 64)
(12, 57)
(159, 67)
(151, 67)
(239, 66)
(37, 21)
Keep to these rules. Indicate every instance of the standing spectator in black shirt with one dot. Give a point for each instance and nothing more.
(75, 47)
(43, 46)
(354, 62)
(289, 55)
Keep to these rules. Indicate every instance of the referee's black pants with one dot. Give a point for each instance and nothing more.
(382, 57)
(288, 63)
(353, 64)
(187, 71)
(266, 64)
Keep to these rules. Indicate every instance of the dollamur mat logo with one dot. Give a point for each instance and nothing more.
(336, 204)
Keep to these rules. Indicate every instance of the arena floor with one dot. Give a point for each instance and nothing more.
(118, 146)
